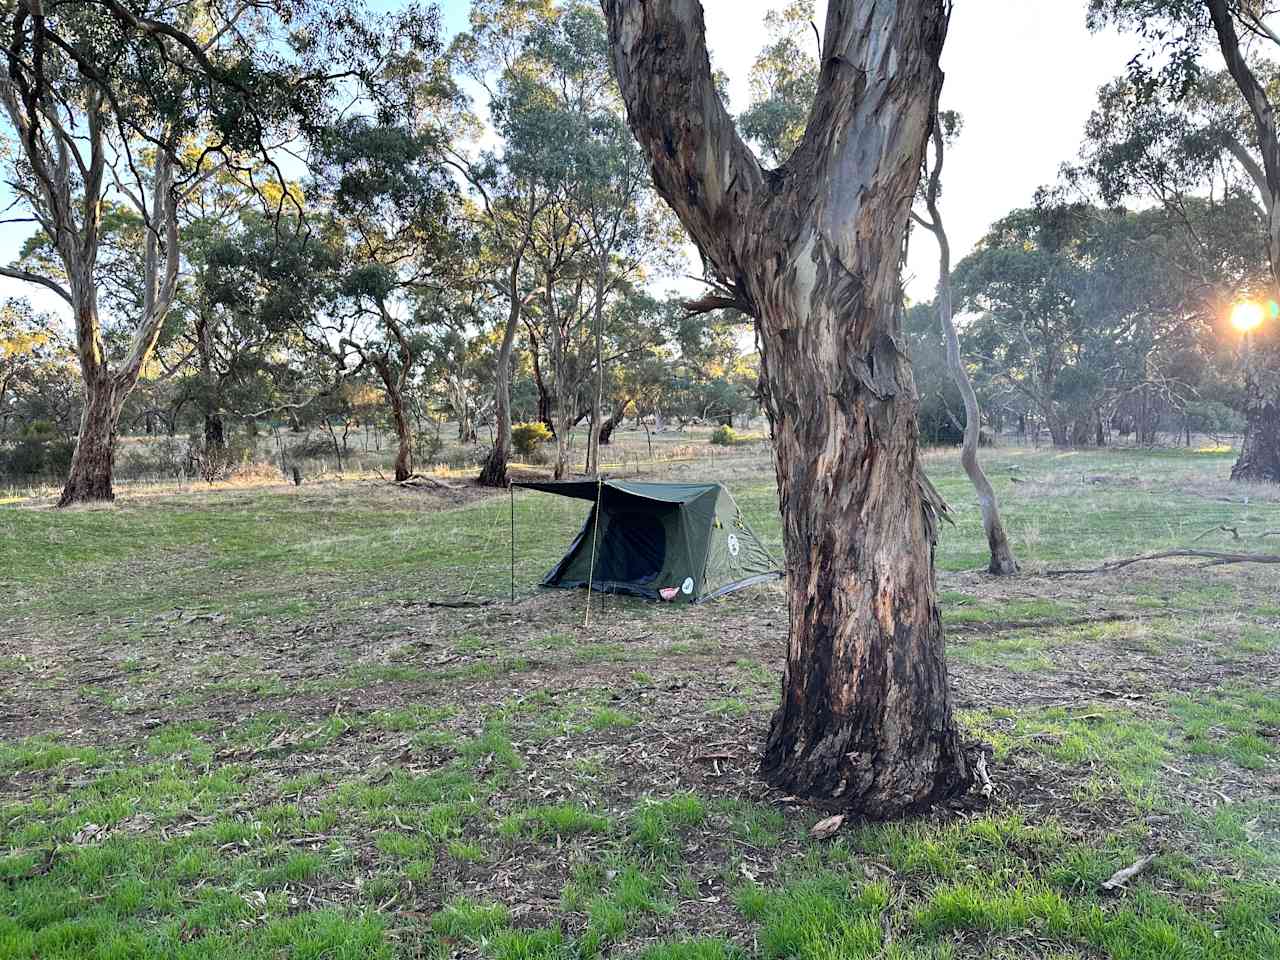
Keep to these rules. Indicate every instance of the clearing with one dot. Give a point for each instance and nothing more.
(232, 725)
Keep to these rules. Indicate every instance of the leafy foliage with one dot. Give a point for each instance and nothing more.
(527, 437)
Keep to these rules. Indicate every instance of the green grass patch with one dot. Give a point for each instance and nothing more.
(550, 822)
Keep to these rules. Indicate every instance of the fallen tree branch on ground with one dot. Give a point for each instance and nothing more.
(1234, 531)
(984, 778)
(1215, 559)
(1122, 877)
(419, 480)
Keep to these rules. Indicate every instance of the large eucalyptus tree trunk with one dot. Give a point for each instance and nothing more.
(105, 390)
(1259, 459)
(93, 461)
(811, 250)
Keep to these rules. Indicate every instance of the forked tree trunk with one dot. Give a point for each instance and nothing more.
(404, 437)
(93, 461)
(1002, 562)
(812, 252)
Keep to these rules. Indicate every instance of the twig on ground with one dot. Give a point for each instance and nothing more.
(1122, 877)
(1234, 531)
(1215, 559)
(980, 767)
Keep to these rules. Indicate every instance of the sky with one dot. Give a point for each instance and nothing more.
(1024, 73)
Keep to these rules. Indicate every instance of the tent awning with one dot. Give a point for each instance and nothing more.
(588, 489)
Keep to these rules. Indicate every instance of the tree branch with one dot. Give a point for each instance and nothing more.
(53, 285)
(1214, 558)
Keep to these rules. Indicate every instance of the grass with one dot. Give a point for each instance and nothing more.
(267, 746)
(553, 822)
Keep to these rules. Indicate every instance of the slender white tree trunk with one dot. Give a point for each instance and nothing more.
(1002, 559)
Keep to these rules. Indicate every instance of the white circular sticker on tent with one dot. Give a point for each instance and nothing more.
(687, 586)
(733, 545)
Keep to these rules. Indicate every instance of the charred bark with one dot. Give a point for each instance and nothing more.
(214, 460)
(812, 252)
(540, 384)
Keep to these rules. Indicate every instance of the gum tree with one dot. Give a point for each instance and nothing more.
(812, 250)
(1002, 559)
(390, 217)
(510, 181)
(140, 102)
(1177, 34)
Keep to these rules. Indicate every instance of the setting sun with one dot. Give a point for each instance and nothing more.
(1246, 316)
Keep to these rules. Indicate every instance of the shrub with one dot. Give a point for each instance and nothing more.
(153, 458)
(527, 437)
(725, 437)
(38, 452)
(428, 448)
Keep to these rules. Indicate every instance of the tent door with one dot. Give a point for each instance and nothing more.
(633, 547)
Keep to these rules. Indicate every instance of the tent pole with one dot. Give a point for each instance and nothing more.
(595, 535)
(512, 488)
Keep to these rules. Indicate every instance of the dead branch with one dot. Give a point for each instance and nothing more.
(1234, 531)
(1214, 558)
(419, 480)
(1122, 877)
(710, 302)
(980, 767)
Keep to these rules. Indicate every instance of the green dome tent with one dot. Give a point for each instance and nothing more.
(685, 541)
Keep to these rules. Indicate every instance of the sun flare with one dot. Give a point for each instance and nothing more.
(1246, 316)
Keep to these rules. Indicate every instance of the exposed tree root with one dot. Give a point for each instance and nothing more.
(1213, 558)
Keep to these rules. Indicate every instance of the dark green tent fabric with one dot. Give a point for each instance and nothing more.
(648, 537)
(586, 489)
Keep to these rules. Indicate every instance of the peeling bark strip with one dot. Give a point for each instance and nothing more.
(811, 250)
